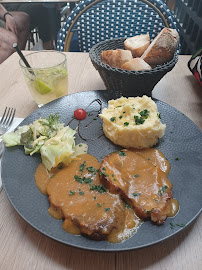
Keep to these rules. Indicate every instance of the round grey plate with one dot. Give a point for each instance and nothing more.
(181, 144)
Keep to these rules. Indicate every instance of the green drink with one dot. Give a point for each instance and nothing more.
(47, 79)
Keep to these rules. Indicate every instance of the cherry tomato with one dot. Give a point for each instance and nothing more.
(80, 114)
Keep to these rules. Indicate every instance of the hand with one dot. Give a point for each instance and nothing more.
(10, 24)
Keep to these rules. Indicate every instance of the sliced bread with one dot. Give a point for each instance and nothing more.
(116, 58)
(137, 44)
(162, 48)
(136, 64)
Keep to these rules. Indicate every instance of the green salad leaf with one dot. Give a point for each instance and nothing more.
(46, 136)
(59, 148)
(14, 138)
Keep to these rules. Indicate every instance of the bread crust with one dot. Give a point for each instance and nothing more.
(137, 44)
(136, 64)
(162, 48)
(116, 58)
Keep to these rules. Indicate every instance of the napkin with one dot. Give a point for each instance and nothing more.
(16, 122)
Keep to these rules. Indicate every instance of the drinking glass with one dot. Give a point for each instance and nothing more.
(47, 78)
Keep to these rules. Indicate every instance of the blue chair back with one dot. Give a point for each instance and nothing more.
(98, 20)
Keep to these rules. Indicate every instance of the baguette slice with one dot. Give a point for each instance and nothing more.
(136, 64)
(116, 58)
(162, 48)
(137, 44)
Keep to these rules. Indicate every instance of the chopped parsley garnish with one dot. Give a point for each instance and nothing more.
(122, 153)
(107, 209)
(158, 115)
(173, 225)
(126, 205)
(98, 204)
(83, 180)
(91, 169)
(81, 192)
(162, 190)
(138, 120)
(144, 114)
(99, 188)
(87, 180)
(136, 194)
(105, 174)
(120, 116)
(94, 198)
(82, 167)
(80, 145)
(112, 119)
(177, 158)
(60, 167)
(53, 175)
(114, 179)
(126, 124)
(136, 175)
(78, 178)
(180, 225)
(112, 175)
(148, 212)
(148, 158)
(71, 192)
(156, 200)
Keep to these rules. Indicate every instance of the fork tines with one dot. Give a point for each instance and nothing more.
(7, 117)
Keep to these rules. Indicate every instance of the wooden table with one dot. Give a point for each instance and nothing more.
(22, 247)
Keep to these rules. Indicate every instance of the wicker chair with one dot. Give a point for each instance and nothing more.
(98, 20)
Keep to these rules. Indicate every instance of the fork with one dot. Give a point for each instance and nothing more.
(6, 120)
(5, 123)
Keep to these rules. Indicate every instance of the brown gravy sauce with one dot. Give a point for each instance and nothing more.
(75, 195)
(156, 157)
(140, 176)
(98, 215)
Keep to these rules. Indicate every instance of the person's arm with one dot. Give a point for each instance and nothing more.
(2, 12)
(8, 18)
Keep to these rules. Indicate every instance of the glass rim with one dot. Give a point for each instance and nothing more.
(22, 64)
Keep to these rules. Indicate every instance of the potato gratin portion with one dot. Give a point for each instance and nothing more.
(132, 122)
